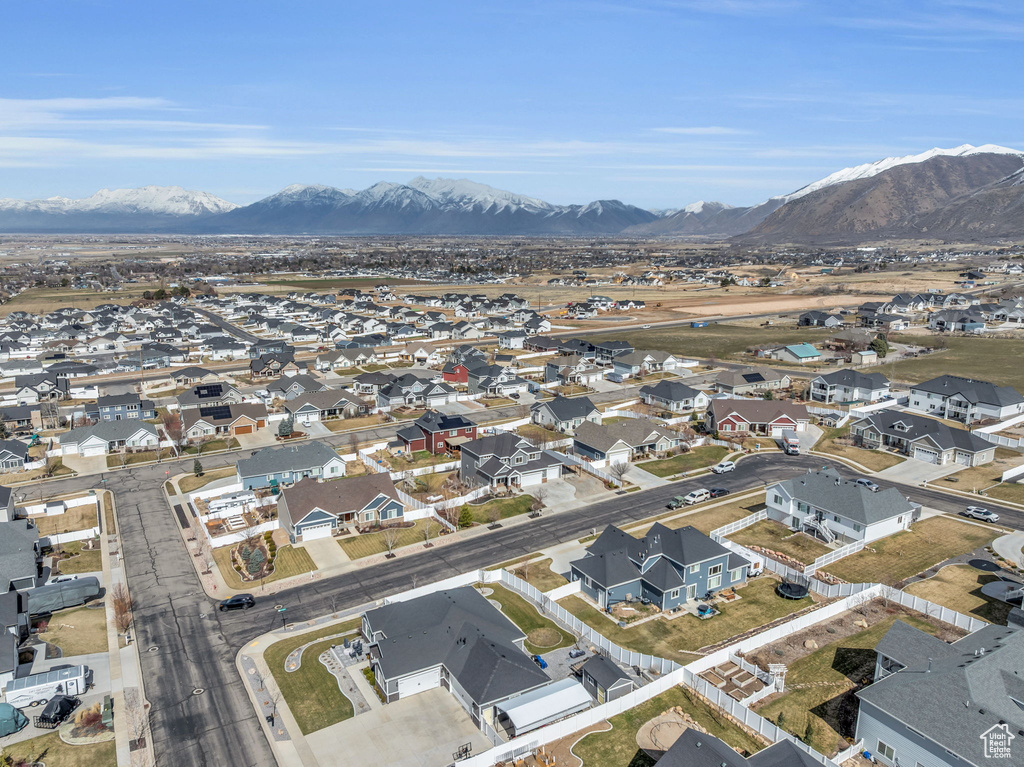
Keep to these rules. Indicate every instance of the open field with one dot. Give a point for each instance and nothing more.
(311, 692)
(617, 747)
(679, 637)
(542, 634)
(777, 537)
(288, 562)
(958, 587)
(698, 458)
(80, 631)
(987, 477)
(42, 300)
(900, 556)
(993, 359)
(831, 442)
(338, 283)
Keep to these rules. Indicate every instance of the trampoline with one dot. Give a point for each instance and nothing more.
(790, 590)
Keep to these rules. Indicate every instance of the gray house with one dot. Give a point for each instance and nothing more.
(121, 407)
(848, 385)
(945, 705)
(311, 509)
(674, 396)
(13, 455)
(698, 749)
(19, 556)
(564, 414)
(668, 567)
(285, 465)
(922, 438)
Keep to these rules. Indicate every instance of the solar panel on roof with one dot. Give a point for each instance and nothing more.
(210, 390)
(216, 412)
(753, 377)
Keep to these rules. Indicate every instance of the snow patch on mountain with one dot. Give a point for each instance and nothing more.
(466, 193)
(160, 200)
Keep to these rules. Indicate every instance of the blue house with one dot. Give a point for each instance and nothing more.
(668, 567)
(285, 465)
(120, 407)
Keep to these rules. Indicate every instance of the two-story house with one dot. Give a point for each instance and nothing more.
(285, 465)
(847, 386)
(573, 369)
(921, 438)
(120, 407)
(640, 363)
(564, 414)
(508, 460)
(437, 432)
(965, 399)
(667, 567)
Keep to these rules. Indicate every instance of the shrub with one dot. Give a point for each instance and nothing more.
(255, 561)
(465, 516)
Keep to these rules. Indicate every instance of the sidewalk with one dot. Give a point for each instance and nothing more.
(1009, 547)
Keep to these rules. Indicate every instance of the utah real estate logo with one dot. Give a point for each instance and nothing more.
(997, 740)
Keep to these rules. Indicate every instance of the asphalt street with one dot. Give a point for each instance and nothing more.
(200, 712)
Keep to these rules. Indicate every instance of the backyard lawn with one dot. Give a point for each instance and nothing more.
(900, 556)
(958, 587)
(191, 483)
(987, 477)
(826, 709)
(55, 752)
(75, 518)
(311, 691)
(502, 507)
(998, 358)
(776, 536)
(85, 562)
(542, 634)
(420, 458)
(540, 575)
(874, 460)
(704, 519)
(358, 545)
(698, 458)
(289, 562)
(617, 747)
(539, 434)
(80, 631)
(680, 637)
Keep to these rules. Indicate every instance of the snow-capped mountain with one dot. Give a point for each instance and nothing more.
(158, 200)
(470, 194)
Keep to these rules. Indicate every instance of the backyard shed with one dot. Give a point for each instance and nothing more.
(544, 705)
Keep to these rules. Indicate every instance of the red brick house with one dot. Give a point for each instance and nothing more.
(436, 432)
(755, 416)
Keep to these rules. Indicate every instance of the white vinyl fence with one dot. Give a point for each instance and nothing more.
(720, 533)
(833, 556)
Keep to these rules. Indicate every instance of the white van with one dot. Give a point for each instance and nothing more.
(697, 496)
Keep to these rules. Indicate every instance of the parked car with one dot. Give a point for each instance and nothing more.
(865, 482)
(238, 602)
(696, 496)
(647, 327)
(718, 492)
(677, 502)
(723, 467)
(514, 395)
(62, 579)
(540, 661)
(980, 512)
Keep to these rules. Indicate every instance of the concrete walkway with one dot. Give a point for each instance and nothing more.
(1009, 547)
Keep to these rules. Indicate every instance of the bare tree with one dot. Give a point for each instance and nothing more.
(429, 530)
(121, 601)
(172, 425)
(390, 537)
(494, 515)
(619, 470)
(540, 495)
(353, 443)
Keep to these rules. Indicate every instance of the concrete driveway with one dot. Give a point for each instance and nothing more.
(558, 492)
(95, 464)
(915, 472)
(314, 429)
(644, 479)
(808, 437)
(423, 730)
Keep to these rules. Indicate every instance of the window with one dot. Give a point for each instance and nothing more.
(673, 594)
(715, 570)
(886, 751)
(694, 568)
(856, 527)
(777, 500)
(453, 432)
(737, 573)
(714, 582)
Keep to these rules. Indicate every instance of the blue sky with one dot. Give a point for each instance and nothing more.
(654, 102)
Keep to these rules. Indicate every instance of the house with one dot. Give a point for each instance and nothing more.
(606, 351)
(944, 704)
(751, 380)
(495, 381)
(273, 466)
(667, 567)
(564, 414)
(21, 417)
(641, 363)
(326, 405)
(921, 438)
(20, 562)
(120, 407)
(453, 639)
(410, 390)
(273, 365)
(289, 387)
(623, 441)
(422, 354)
(573, 369)
(604, 679)
(819, 320)
(507, 460)
(192, 375)
(232, 420)
(674, 396)
(437, 432)
(846, 386)
(14, 618)
(108, 437)
(757, 416)
(206, 394)
(698, 749)
(800, 353)
(965, 399)
(6, 504)
(310, 509)
(13, 455)
(829, 507)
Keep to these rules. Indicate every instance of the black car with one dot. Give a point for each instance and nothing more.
(718, 492)
(238, 602)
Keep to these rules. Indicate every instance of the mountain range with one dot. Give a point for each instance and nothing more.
(966, 192)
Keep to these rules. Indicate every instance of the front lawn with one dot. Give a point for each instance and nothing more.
(697, 458)
(311, 691)
(497, 402)
(289, 562)
(617, 747)
(501, 508)
(210, 447)
(358, 422)
(900, 556)
(678, 638)
(191, 483)
(777, 537)
(824, 711)
(542, 634)
(540, 575)
(55, 752)
(81, 561)
(117, 460)
(834, 442)
(80, 631)
(958, 587)
(702, 517)
(362, 545)
(75, 518)
(989, 476)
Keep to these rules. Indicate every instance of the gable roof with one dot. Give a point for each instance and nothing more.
(758, 410)
(108, 431)
(751, 376)
(272, 460)
(567, 408)
(827, 490)
(972, 390)
(855, 378)
(337, 497)
(919, 427)
(670, 391)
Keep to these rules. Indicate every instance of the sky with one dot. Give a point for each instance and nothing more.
(658, 103)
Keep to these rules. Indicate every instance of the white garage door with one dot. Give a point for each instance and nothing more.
(426, 680)
(313, 532)
(928, 456)
(90, 451)
(964, 458)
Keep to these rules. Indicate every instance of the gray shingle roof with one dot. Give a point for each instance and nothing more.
(855, 378)
(567, 408)
(827, 490)
(272, 460)
(110, 431)
(972, 390)
(920, 427)
(670, 391)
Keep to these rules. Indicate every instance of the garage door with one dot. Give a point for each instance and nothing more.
(964, 458)
(313, 532)
(426, 680)
(928, 456)
(92, 451)
(244, 429)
